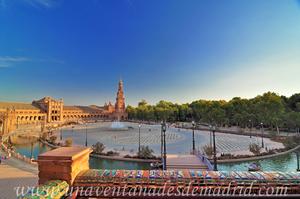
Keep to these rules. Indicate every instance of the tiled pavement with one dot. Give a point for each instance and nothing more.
(15, 173)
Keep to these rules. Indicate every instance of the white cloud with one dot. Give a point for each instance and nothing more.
(8, 61)
(42, 3)
(13, 59)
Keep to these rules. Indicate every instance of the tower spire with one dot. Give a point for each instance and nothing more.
(120, 100)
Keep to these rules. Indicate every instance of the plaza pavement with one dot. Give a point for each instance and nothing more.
(15, 173)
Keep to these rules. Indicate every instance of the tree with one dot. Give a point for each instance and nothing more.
(293, 102)
(145, 153)
(269, 108)
(292, 120)
(53, 139)
(69, 142)
(98, 147)
(131, 112)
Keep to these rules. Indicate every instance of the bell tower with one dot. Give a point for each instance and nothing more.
(120, 100)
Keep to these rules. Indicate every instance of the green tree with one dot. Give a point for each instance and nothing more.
(293, 102)
(269, 109)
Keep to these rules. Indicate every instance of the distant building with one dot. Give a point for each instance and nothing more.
(51, 111)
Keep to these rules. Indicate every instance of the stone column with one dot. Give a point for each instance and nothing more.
(63, 163)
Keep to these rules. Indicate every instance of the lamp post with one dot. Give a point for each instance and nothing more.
(297, 155)
(210, 140)
(60, 134)
(86, 135)
(161, 139)
(164, 128)
(193, 124)
(215, 151)
(31, 151)
(262, 135)
(139, 138)
(250, 128)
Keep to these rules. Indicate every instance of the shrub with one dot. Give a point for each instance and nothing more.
(145, 153)
(69, 142)
(111, 153)
(254, 148)
(291, 142)
(98, 147)
(208, 150)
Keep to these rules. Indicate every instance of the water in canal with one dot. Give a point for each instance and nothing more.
(95, 163)
(281, 163)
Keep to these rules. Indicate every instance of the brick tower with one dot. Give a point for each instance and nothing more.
(120, 103)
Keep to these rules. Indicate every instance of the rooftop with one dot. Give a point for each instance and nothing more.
(83, 108)
(17, 105)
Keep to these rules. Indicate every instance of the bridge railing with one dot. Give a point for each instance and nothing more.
(206, 161)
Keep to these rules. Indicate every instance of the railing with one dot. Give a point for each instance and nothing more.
(205, 160)
(16, 154)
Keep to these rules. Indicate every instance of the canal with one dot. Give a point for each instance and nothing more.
(282, 163)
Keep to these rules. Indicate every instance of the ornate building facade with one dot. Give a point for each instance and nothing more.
(51, 111)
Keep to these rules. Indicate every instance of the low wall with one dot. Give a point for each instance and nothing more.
(124, 159)
(48, 144)
(258, 157)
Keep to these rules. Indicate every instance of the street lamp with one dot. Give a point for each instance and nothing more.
(262, 135)
(161, 139)
(250, 128)
(139, 138)
(31, 151)
(193, 124)
(60, 134)
(215, 151)
(297, 155)
(210, 140)
(164, 128)
(86, 135)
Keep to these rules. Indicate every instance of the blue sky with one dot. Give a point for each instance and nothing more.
(177, 50)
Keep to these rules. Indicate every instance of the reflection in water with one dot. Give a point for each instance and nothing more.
(96, 163)
(38, 148)
(283, 163)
